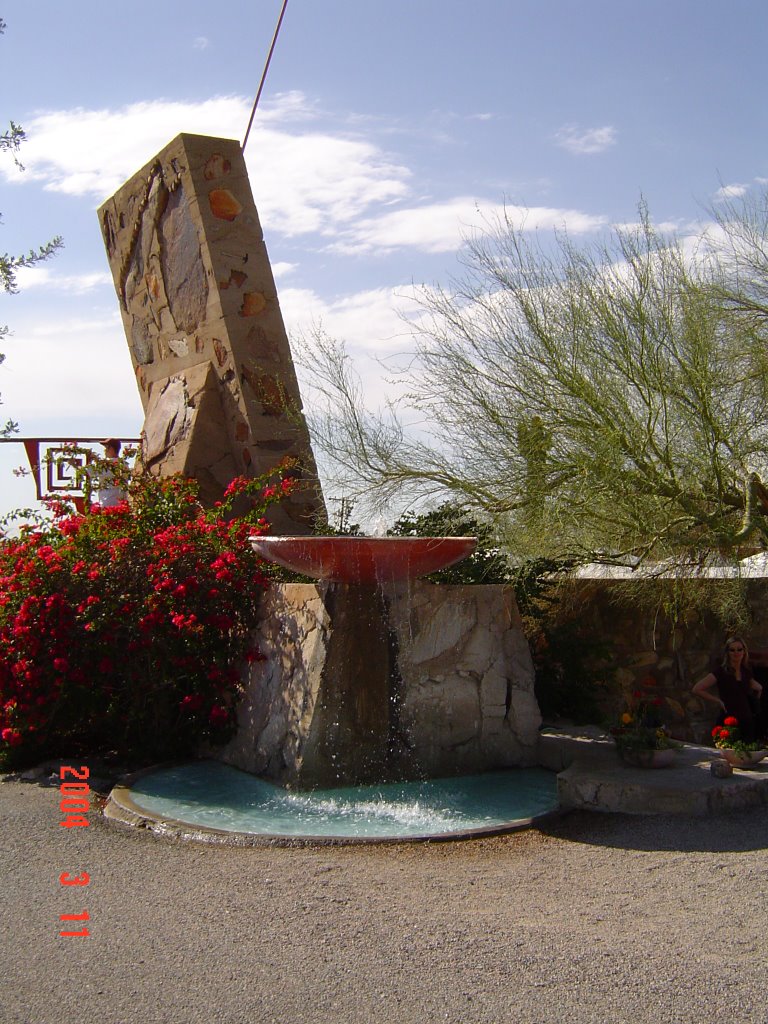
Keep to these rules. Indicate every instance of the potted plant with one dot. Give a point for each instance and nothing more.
(640, 737)
(733, 748)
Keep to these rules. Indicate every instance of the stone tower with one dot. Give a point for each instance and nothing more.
(204, 327)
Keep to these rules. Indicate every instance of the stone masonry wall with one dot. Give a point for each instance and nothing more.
(647, 646)
(204, 327)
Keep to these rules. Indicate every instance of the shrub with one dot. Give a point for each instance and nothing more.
(487, 564)
(125, 628)
(574, 667)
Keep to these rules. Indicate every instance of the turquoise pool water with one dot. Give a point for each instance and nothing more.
(214, 795)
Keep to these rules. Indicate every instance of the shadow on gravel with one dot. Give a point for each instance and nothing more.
(726, 833)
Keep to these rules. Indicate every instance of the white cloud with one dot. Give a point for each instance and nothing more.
(65, 365)
(92, 152)
(368, 320)
(370, 325)
(440, 227)
(306, 181)
(282, 268)
(663, 227)
(734, 191)
(74, 284)
(303, 181)
(585, 141)
(316, 183)
(200, 43)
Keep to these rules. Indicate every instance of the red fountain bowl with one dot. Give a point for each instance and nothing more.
(364, 560)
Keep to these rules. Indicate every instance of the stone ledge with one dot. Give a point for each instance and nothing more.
(597, 780)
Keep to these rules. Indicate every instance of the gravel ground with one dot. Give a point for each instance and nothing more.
(600, 918)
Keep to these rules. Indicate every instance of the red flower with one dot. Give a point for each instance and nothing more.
(192, 702)
(730, 720)
(12, 737)
(125, 603)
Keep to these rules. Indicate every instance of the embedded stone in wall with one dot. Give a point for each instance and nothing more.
(185, 430)
(182, 269)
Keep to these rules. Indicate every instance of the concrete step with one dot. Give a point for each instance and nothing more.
(591, 776)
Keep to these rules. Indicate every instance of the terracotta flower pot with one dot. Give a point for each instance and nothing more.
(742, 760)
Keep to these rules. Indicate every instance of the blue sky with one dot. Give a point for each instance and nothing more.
(386, 129)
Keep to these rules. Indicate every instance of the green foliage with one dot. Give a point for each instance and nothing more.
(535, 582)
(728, 737)
(487, 564)
(572, 670)
(573, 667)
(125, 629)
(720, 604)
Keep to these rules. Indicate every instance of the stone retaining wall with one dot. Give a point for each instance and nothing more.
(647, 646)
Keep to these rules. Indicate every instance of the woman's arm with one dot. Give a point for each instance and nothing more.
(702, 688)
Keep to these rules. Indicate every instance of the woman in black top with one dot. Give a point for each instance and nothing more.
(735, 684)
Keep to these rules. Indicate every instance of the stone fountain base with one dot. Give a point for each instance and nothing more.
(362, 685)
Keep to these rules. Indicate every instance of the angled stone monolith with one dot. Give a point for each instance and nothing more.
(204, 327)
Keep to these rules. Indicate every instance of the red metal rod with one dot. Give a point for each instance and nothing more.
(264, 74)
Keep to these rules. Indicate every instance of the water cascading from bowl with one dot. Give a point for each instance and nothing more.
(357, 735)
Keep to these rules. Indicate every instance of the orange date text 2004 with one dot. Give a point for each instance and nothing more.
(74, 803)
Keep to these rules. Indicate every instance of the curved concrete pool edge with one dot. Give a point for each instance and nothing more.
(121, 810)
(590, 777)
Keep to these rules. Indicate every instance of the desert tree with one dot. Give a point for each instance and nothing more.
(739, 242)
(597, 399)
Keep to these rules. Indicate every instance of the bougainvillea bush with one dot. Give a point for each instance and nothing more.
(126, 628)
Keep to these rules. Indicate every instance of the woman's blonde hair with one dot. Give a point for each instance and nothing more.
(735, 640)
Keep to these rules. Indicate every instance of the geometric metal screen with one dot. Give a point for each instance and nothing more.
(58, 464)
